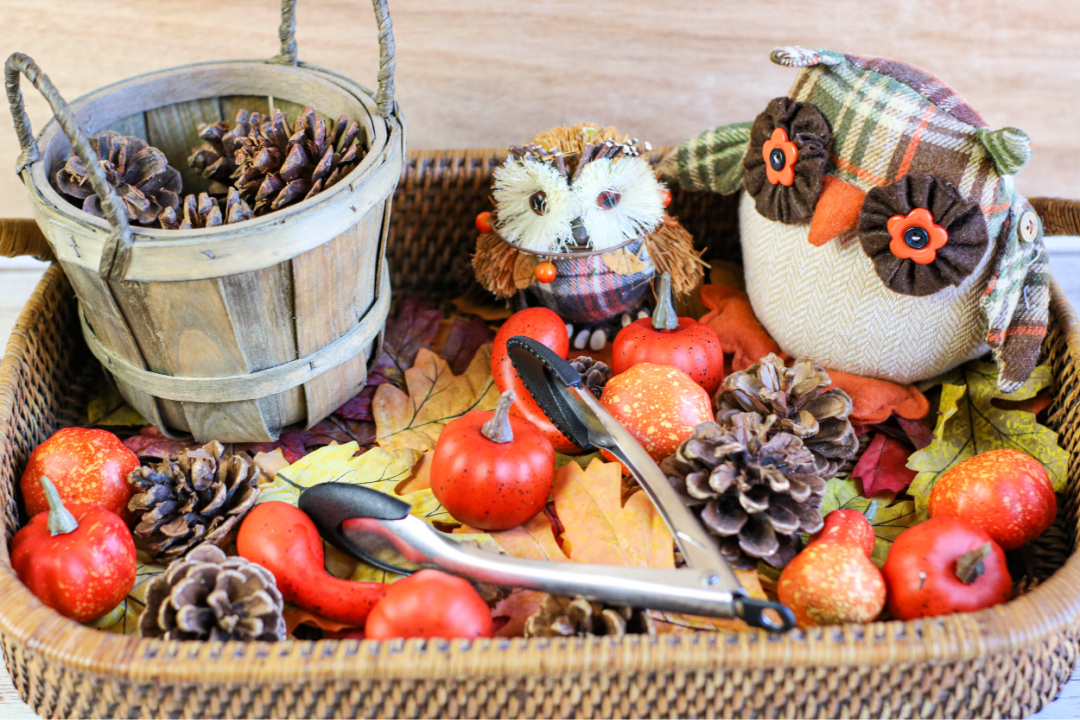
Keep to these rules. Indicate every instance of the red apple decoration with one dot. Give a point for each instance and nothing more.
(666, 339)
(659, 405)
(86, 466)
(1005, 492)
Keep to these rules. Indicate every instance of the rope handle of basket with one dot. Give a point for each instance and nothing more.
(385, 96)
(117, 248)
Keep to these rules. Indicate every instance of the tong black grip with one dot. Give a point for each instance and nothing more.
(331, 504)
(764, 614)
(546, 375)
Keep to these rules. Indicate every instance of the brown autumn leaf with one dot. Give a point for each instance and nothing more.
(435, 397)
(297, 616)
(525, 270)
(668, 622)
(623, 262)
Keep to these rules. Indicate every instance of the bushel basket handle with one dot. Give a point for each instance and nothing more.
(385, 97)
(118, 245)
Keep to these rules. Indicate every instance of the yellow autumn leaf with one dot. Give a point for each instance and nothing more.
(623, 262)
(970, 423)
(435, 397)
(378, 469)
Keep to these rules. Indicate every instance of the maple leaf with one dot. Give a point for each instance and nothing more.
(883, 466)
(970, 423)
(109, 408)
(435, 397)
(599, 529)
(461, 340)
(919, 432)
(150, 443)
(890, 518)
(411, 330)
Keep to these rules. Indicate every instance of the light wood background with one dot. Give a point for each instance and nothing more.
(484, 73)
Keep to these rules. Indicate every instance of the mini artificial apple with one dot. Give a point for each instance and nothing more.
(79, 559)
(85, 465)
(944, 566)
(544, 326)
(667, 339)
(1005, 492)
(492, 470)
(658, 404)
(832, 581)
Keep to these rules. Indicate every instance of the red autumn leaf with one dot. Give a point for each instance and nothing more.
(463, 339)
(413, 328)
(150, 443)
(359, 406)
(884, 466)
(919, 432)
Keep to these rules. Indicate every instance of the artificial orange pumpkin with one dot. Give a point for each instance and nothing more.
(491, 470)
(666, 339)
(832, 581)
(1005, 492)
(944, 566)
(659, 405)
(544, 326)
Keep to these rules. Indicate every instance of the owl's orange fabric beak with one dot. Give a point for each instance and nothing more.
(837, 210)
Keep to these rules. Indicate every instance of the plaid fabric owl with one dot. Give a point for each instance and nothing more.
(881, 228)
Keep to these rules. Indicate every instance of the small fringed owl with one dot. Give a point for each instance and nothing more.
(580, 227)
(882, 232)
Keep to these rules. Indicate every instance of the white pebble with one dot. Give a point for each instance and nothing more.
(626, 319)
(598, 340)
(569, 330)
(642, 314)
(581, 339)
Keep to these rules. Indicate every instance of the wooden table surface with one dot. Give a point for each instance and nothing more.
(483, 73)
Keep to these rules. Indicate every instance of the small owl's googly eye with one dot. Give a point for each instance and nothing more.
(608, 199)
(538, 202)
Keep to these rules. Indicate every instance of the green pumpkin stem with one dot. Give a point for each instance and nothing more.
(665, 316)
(970, 566)
(61, 521)
(497, 428)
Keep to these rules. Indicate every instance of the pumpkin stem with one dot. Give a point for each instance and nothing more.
(61, 521)
(497, 428)
(970, 566)
(665, 316)
(871, 511)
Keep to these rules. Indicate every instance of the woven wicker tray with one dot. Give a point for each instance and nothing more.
(1007, 661)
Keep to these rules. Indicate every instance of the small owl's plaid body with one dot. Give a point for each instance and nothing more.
(847, 181)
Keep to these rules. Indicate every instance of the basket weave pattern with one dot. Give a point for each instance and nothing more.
(1010, 660)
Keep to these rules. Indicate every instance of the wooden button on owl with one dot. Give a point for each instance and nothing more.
(1029, 226)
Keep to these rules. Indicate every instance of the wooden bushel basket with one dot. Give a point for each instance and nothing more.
(233, 332)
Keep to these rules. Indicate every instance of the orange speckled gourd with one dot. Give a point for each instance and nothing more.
(832, 581)
(1005, 492)
(87, 466)
(658, 404)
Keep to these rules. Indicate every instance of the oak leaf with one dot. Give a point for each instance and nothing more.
(435, 397)
(970, 423)
(883, 466)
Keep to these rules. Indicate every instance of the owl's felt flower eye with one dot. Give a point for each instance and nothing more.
(922, 235)
(620, 200)
(785, 161)
(535, 206)
(780, 157)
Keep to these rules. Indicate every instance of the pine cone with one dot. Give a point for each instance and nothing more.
(568, 617)
(277, 166)
(803, 407)
(755, 488)
(208, 596)
(215, 159)
(594, 374)
(196, 499)
(140, 173)
(206, 212)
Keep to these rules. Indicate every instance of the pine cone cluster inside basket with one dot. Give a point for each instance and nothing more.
(803, 406)
(209, 596)
(196, 499)
(260, 162)
(569, 617)
(756, 488)
(273, 165)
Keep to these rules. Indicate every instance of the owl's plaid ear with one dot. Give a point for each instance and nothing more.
(710, 161)
(1010, 147)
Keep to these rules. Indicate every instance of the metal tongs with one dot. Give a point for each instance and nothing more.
(379, 530)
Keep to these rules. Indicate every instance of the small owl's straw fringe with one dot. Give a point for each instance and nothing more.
(493, 263)
(671, 248)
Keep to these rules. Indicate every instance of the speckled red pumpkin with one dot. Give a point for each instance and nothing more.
(832, 581)
(1005, 492)
(492, 481)
(86, 466)
(544, 326)
(692, 347)
(659, 405)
